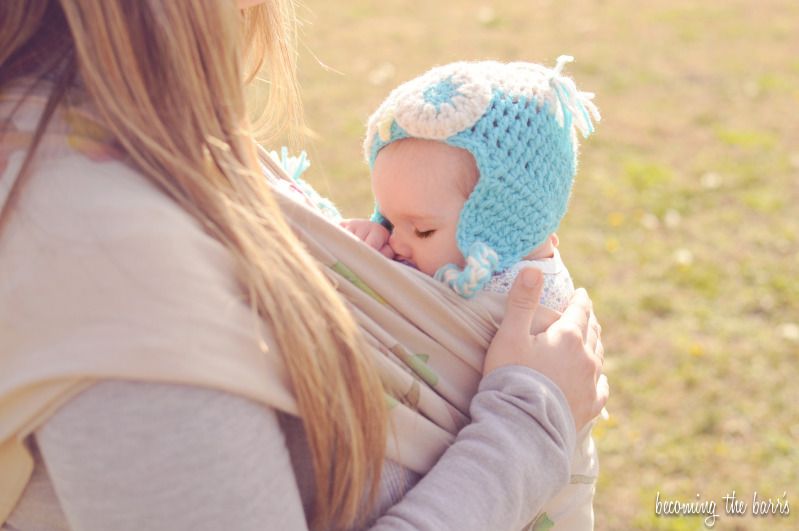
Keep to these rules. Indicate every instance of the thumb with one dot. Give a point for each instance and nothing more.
(523, 301)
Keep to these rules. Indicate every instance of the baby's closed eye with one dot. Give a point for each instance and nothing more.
(423, 233)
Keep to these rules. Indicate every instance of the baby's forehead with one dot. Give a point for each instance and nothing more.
(433, 160)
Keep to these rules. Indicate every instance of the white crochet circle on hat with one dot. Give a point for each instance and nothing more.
(527, 80)
(442, 102)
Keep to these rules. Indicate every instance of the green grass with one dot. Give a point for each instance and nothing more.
(683, 224)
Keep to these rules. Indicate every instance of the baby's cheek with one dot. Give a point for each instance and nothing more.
(428, 261)
(455, 256)
(439, 259)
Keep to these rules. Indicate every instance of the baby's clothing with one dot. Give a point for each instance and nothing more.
(558, 286)
(572, 507)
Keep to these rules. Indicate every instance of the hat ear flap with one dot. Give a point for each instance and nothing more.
(481, 263)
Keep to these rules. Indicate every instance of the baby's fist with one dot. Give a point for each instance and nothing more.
(373, 234)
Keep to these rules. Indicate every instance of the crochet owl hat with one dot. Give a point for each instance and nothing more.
(518, 121)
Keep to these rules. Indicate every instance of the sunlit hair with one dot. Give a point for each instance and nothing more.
(166, 77)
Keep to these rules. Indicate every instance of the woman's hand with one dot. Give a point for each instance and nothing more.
(569, 352)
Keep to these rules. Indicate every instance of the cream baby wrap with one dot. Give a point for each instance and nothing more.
(427, 342)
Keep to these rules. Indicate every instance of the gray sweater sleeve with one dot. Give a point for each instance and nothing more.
(503, 466)
(126, 455)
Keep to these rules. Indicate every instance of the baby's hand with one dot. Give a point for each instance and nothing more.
(373, 234)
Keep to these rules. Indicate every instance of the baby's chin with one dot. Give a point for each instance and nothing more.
(429, 269)
(406, 262)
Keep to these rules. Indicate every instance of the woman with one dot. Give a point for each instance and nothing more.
(159, 318)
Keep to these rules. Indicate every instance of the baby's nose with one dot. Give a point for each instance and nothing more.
(401, 249)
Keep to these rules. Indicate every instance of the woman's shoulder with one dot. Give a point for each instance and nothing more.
(90, 243)
(73, 201)
(103, 223)
(103, 274)
(80, 192)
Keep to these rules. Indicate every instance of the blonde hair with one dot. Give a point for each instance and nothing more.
(181, 67)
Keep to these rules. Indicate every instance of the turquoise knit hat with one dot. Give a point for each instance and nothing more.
(518, 121)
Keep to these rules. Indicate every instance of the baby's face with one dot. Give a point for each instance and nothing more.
(421, 187)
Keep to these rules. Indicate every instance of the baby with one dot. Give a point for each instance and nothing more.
(472, 166)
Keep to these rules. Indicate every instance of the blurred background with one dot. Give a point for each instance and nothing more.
(683, 225)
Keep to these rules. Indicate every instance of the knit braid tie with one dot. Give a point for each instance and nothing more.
(481, 263)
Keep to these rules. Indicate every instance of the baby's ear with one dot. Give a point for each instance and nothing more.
(554, 239)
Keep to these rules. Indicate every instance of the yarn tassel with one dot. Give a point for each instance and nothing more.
(295, 166)
(572, 102)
